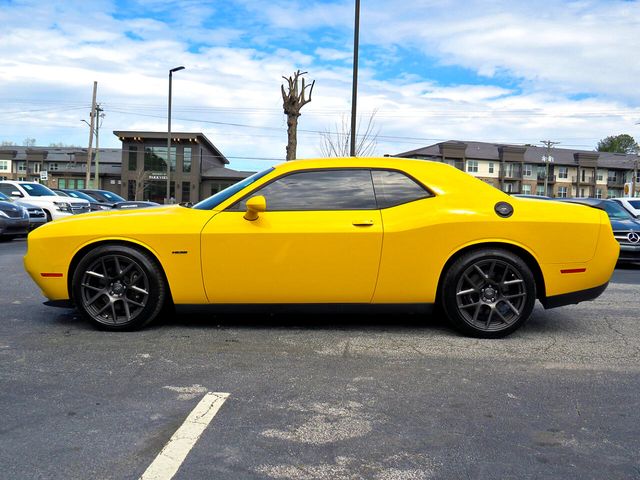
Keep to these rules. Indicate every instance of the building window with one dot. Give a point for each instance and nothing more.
(612, 177)
(186, 160)
(490, 167)
(582, 193)
(4, 165)
(526, 189)
(562, 192)
(598, 193)
(472, 166)
(3, 178)
(540, 190)
(133, 158)
(22, 167)
(22, 179)
(36, 168)
(527, 170)
(509, 187)
(563, 172)
(155, 159)
(54, 167)
(600, 176)
(186, 191)
(62, 183)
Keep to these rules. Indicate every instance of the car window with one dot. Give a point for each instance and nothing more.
(395, 188)
(37, 190)
(634, 203)
(4, 197)
(344, 189)
(112, 196)
(615, 211)
(7, 188)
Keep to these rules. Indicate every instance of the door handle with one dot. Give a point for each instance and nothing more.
(362, 223)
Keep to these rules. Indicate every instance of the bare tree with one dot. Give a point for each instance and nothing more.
(292, 101)
(29, 142)
(337, 143)
(142, 184)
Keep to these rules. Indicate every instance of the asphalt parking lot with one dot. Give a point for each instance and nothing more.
(317, 396)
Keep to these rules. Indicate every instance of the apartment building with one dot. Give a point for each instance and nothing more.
(533, 170)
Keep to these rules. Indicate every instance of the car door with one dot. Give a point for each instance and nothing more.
(319, 241)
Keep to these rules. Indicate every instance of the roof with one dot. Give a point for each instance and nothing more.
(224, 172)
(533, 154)
(198, 136)
(63, 154)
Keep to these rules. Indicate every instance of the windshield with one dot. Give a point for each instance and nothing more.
(615, 211)
(37, 190)
(111, 196)
(4, 198)
(83, 196)
(215, 200)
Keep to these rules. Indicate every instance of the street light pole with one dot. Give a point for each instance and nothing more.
(168, 197)
(354, 87)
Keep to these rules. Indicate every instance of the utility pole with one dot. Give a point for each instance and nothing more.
(354, 87)
(99, 117)
(90, 149)
(547, 159)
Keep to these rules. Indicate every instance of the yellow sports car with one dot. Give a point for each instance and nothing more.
(333, 231)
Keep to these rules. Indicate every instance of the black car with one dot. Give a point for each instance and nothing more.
(625, 227)
(14, 221)
(104, 197)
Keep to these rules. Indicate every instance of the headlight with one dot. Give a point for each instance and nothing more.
(2, 214)
(63, 206)
(104, 207)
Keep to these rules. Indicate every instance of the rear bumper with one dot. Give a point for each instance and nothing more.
(573, 297)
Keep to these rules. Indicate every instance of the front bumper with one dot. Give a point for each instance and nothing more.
(629, 253)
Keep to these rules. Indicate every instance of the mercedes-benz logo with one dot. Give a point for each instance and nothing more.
(633, 237)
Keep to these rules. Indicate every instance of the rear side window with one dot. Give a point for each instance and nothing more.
(343, 189)
(395, 188)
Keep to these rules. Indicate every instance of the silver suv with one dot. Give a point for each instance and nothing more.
(41, 196)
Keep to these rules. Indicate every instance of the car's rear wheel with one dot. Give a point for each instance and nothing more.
(118, 287)
(488, 293)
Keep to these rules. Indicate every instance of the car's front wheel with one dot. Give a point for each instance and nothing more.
(488, 293)
(118, 287)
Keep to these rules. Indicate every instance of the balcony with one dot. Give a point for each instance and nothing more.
(615, 182)
(551, 178)
(587, 180)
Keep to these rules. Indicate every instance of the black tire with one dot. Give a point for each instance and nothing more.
(488, 293)
(119, 288)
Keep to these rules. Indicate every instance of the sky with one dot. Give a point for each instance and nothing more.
(504, 71)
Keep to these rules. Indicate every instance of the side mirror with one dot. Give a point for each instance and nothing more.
(255, 205)
(16, 193)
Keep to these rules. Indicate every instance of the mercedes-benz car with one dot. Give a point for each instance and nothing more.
(363, 231)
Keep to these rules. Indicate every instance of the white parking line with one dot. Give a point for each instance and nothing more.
(168, 461)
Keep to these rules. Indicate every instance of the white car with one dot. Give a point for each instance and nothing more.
(631, 205)
(37, 194)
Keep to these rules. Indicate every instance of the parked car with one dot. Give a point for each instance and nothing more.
(37, 216)
(104, 197)
(631, 205)
(37, 194)
(94, 205)
(311, 232)
(14, 221)
(626, 228)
